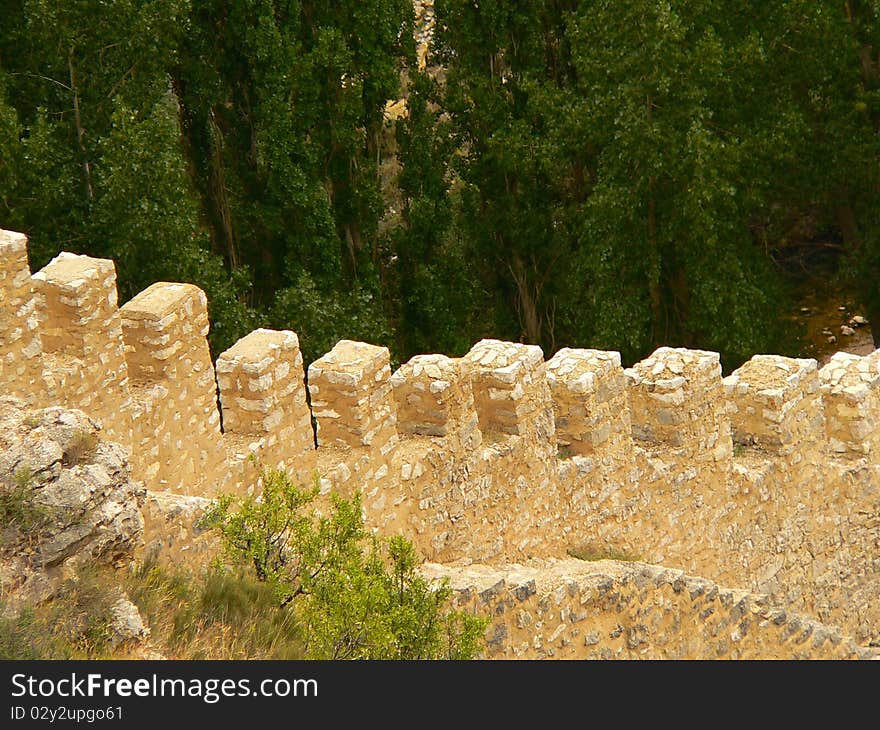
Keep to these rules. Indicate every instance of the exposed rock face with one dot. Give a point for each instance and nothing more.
(67, 496)
(126, 623)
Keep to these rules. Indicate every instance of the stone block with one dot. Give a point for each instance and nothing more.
(434, 398)
(590, 402)
(850, 387)
(677, 400)
(509, 385)
(776, 403)
(262, 394)
(351, 396)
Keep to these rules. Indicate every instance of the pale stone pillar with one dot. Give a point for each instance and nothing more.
(777, 405)
(510, 389)
(80, 319)
(263, 400)
(590, 403)
(518, 508)
(850, 388)
(351, 396)
(434, 398)
(178, 425)
(678, 401)
(593, 428)
(20, 343)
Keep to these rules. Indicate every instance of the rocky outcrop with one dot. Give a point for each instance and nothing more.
(66, 497)
(126, 624)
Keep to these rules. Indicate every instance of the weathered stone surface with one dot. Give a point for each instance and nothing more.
(496, 456)
(850, 388)
(77, 498)
(263, 400)
(510, 388)
(20, 340)
(678, 401)
(590, 403)
(351, 396)
(126, 624)
(176, 443)
(776, 403)
(618, 619)
(173, 530)
(81, 335)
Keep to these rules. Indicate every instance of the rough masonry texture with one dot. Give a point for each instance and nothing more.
(571, 609)
(81, 504)
(767, 480)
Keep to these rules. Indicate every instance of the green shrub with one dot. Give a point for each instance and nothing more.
(593, 551)
(353, 595)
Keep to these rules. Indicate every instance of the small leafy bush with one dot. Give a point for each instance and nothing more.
(353, 595)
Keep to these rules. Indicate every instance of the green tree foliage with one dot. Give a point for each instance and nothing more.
(101, 169)
(148, 219)
(633, 170)
(504, 61)
(857, 218)
(441, 305)
(578, 172)
(282, 106)
(354, 596)
(667, 220)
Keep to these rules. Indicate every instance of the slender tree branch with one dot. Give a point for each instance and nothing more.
(80, 132)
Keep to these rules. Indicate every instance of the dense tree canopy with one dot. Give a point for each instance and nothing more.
(585, 173)
(632, 167)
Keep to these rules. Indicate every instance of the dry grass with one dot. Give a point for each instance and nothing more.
(219, 615)
(595, 551)
(73, 625)
(80, 448)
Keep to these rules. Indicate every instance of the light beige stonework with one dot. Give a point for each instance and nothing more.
(497, 457)
(263, 401)
(612, 610)
(675, 403)
(177, 443)
(434, 397)
(776, 404)
(351, 396)
(20, 342)
(851, 391)
(81, 331)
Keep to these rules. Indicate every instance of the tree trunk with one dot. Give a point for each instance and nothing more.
(654, 280)
(527, 301)
(681, 295)
(849, 228)
(80, 132)
(217, 194)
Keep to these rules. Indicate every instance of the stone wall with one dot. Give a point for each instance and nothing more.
(572, 609)
(766, 479)
(784, 512)
(20, 343)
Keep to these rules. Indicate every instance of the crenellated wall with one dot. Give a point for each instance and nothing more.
(20, 343)
(766, 479)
